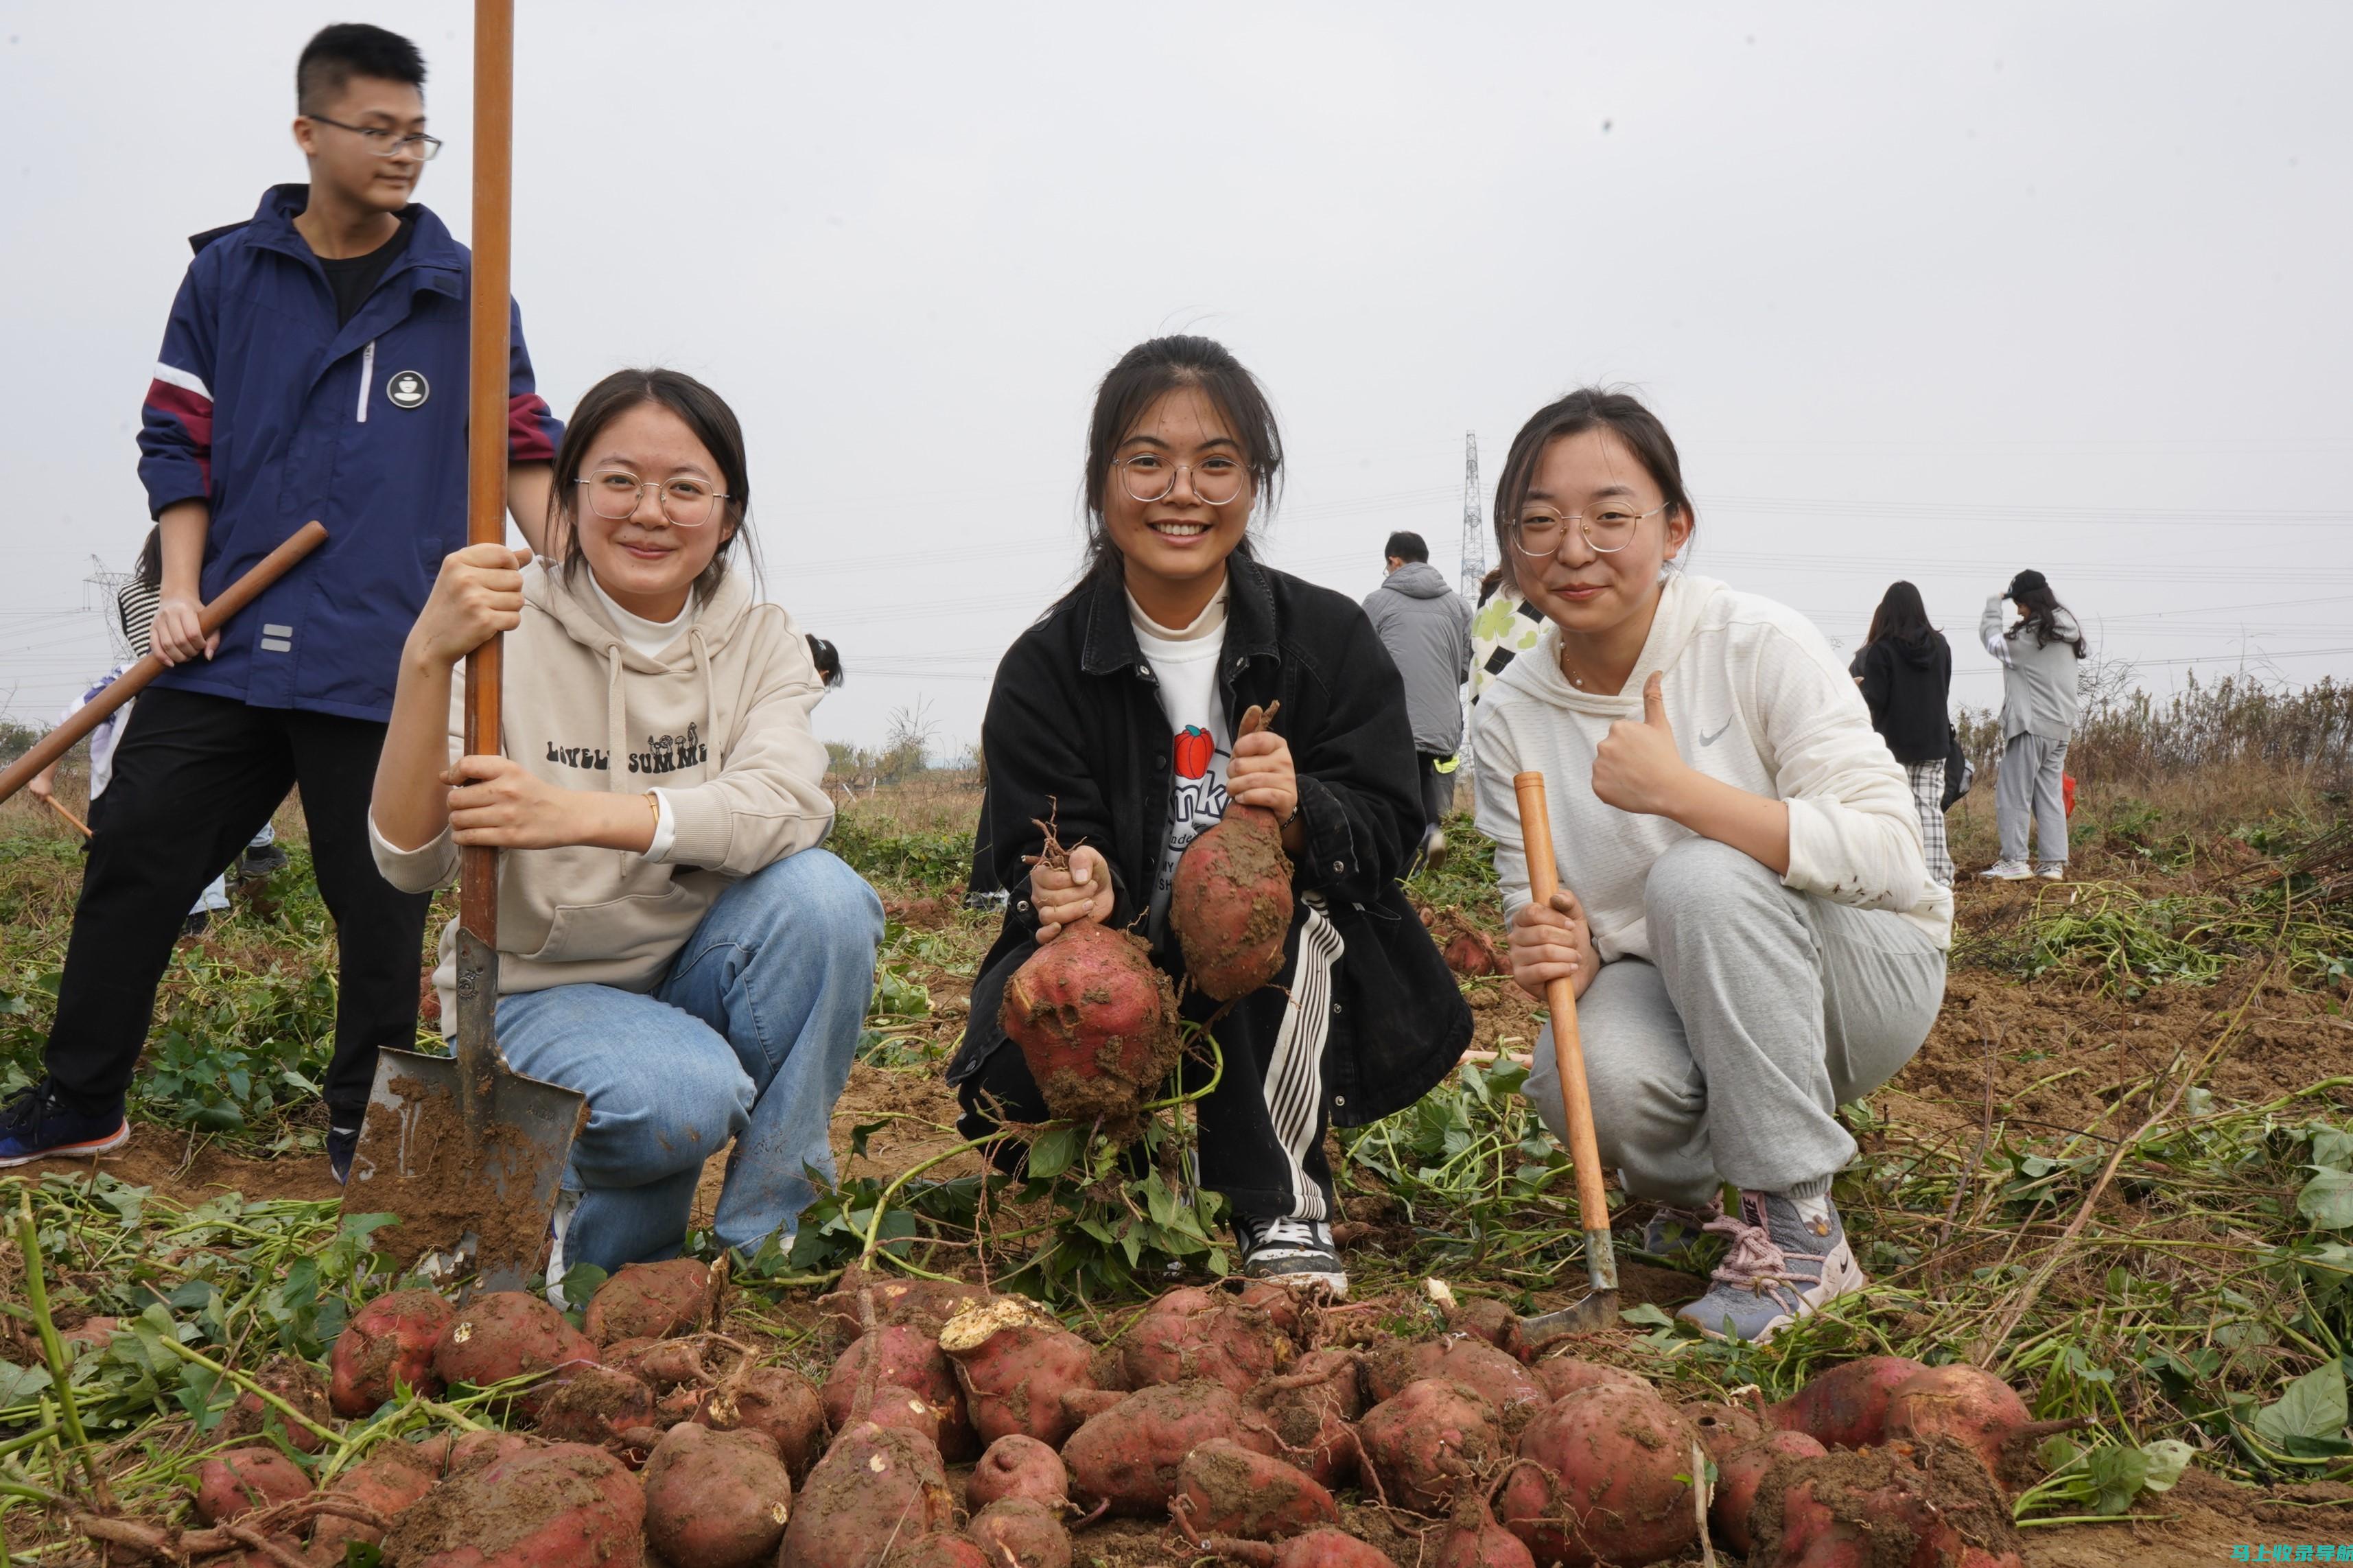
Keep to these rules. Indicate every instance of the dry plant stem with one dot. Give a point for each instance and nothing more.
(1703, 1495)
(1985, 1138)
(325, 1434)
(53, 1349)
(260, 1542)
(1989, 1347)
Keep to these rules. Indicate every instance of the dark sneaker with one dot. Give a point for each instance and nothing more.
(194, 924)
(1291, 1252)
(35, 1125)
(255, 864)
(1677, 1233)
(1789, 1256)
(342, 1142)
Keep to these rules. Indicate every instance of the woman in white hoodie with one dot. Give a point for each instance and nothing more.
(1746, 912)
(673, 942)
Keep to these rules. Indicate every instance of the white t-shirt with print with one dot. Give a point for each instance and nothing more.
(1185, 663)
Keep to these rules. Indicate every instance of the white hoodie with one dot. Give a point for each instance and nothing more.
(1757, 700)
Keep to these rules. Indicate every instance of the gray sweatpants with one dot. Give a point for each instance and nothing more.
(2029, 787)
(1765, 1010)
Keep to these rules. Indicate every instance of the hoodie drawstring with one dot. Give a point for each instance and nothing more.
(616, 724)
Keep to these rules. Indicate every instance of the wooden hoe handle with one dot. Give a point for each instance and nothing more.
(1560, 995)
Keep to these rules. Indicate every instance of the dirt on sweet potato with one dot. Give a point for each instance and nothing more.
(388, 1343)
(655, 1300)
(557, 1503)
(1224, 1488)
(874, 1486)
(716, 1500)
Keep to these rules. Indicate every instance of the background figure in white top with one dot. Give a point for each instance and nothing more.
(2040, 697)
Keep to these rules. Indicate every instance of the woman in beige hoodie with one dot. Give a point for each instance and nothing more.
(674, 941)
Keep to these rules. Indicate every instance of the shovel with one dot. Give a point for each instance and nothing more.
(1599, 1309)
(466, 1152)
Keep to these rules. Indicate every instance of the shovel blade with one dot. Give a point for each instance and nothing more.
(486, 1201)
(1595, 1314)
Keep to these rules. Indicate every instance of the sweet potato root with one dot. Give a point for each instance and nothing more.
(505, 1334)
(1020, 1532)
(1224, 1489)
(1604, 1475)
(1846, 1407)
(1975, 1409)
(1561, 1377)
(1498, 1377)
(1194, 1333)
(940, 1549)
(1095, 1024)
(591, 1404)
(904, 1410)
(873, 1486)
(912, 1360)
(389, 1342)
(1316, 1548)
(1472, 1538)
(660, 1364)
(778, 1401)
(1229, 902)
(925, 1304)
(1015, 1364)
(387, 1482)
(654, 1300)
(1311, 1410)
(1128, 1455)
(1423, 1442)
(1018, 1467)
(244, 1480)
(1924, 1504)
(1739, 1472)
(1723, 1427)
(563, 1502)
(296, 1382)
(716, 1500)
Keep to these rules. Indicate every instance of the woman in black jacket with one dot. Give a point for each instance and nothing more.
(1905, 671)
(1116, 715)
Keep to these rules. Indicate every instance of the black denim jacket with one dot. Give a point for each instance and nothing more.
(1075, 725)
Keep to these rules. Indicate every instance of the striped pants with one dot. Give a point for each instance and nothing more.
(1929, 794)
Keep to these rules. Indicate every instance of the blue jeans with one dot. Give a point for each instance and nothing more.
(749, 1036)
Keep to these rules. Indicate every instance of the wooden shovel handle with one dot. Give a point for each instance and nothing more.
(132, 681)
(1560, 995)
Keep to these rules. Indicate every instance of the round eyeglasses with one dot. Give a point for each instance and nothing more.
(1540, 532)
(1149, 476)
(386, 142)
(685, 501)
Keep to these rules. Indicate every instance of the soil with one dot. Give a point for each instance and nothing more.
(190, 1169)
(444, 1185)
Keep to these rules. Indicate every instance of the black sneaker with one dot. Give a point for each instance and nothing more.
(194, 924)
(256, 864)
(342, 1143)
(1291, 1252)
(35, 1125)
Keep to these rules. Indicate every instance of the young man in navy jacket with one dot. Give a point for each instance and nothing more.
(314, 367)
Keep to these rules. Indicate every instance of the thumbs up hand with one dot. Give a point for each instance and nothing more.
(1637, 768)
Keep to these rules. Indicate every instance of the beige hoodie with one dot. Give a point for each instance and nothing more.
(718, 723)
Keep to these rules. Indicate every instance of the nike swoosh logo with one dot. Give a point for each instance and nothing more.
(1720, 729)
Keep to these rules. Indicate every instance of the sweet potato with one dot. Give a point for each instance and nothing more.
(1020, 1532)
(1194, 1333)
(912, 1360)
(295, 1381)
(1421, 1443)
(244, 1480)
(1484, 1318)
(1015, 1363)
(1018, 1467)
(1472, 1538)
(1846, 1407)
(654, 1300)
(925, 1304)
(1561, 1377)
(389, 1342)
(1289, 1308)
(1974, 1408)
(505, 1334)
(391, 1478)
(1229, 902)
(940, 1549)
(1604, 1475)
(660, 1364)
(872, 1487)
(564, 1502)
(1127, 1456)
(592, 1404)
(716, 1500)
(1498, 1377)
(775, 1400)
(1739, 1472)
(1921, 1504)
(904, 1410)
(1224, 1488)
(1095, 1023)
(1723, 1427)
(477, 1449)
(1316, 1548)
(1310, 1412)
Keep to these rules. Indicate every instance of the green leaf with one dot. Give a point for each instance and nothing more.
(2313, 1407)
(1159, 1200)
(19, 1384)
(1051, 1155)
(2168, 1459)
(2326, 1200)
(2332, 1150)
(581, 1282)
(1648, 1315)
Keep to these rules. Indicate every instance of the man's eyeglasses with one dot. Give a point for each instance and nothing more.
(386, 142)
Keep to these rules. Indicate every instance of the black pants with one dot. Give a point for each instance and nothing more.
(1437, 788)
(195, 778)
(1262, 1128)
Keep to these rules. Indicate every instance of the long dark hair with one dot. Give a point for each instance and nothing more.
(704, 412)
(150, 571)
(1130, 389)
(1587, 409)
(1900, 616)
(2038, 610)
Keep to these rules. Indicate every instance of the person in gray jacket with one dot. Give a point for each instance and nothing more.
(2039, 700)
(1426, 626)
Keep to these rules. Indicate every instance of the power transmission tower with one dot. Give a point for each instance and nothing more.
(1474, 542)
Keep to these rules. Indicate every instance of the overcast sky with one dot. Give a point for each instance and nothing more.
(1927, 294)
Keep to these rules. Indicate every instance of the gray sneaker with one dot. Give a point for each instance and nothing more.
(1789, 1256)
(1676, 1234)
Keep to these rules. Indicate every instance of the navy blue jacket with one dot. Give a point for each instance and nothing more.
(266, 408)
